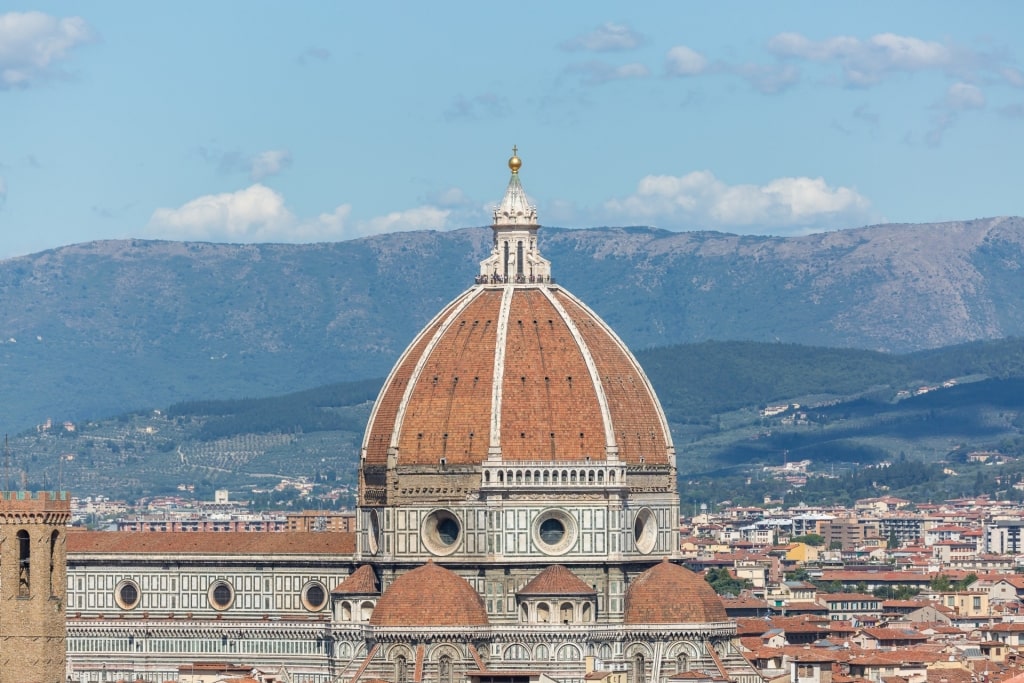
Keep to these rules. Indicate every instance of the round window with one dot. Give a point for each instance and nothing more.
(314, 596)
(127, 594)
(448, 531)
(554, 532)
(221, 595)
(373, 533)
(645, 531)
(441, 532)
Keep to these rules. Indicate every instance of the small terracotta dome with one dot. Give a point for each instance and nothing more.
(430, 596)
(668, 594)
(556, 580)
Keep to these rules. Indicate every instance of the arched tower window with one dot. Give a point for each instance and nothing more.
(24, 564)
(519, 258)
(506, 260)
(444, 669)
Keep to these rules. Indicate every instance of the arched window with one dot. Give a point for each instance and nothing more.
(365, 610)
(524, 613)
(568, 653)
(516, 652)
(566, 613)
(682, 663)
(638, 668)
(346, 611)
(401, 669)
(543, 613)
(24, 564)
(444, 669)
(588, 615)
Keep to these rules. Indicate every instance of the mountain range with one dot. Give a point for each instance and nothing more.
(93, 329)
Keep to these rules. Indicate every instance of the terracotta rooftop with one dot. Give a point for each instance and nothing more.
(547, 370)
(430, 595)
(360, 582)
(556, 580)
(212, 542)
(667, 593)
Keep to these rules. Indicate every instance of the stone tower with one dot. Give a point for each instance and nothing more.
(33, 635)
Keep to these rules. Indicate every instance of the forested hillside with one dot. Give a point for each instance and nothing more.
(94, 329)
(857, 410)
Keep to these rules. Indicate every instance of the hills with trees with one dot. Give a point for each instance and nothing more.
(868, 422)
(95, 329)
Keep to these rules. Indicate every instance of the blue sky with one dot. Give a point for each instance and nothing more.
(269, 121)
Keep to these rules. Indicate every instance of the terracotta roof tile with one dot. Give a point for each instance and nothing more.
(211, 542)
(556, 580)
(550, 399)
(430, 595)
(667, 593)
(360, 582)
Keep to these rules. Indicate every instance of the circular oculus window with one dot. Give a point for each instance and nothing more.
(221, 595)
(127, 594)
(373, 533)
(441, 532)
(554, 532)
(645, 531)
(314, 596)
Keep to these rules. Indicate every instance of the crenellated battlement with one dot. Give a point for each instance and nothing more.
(18, 507)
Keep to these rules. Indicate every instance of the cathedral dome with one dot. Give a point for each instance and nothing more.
(668, 594)
(430, 595)
(527, 372)
(516, 369)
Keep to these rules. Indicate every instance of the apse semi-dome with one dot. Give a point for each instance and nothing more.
(432, 596)
(669, 594)
(516, 369)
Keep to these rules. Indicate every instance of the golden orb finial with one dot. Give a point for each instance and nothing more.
(515, 162)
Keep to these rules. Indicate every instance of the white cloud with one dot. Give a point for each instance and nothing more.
(700, 200)
(250, 214)
(420, 218)
(31, 43)
(768, 80)
(865, 62)
(964, 96)
(259, 214)
(1013, 76)
(269, 163)
(596, 73)
(258, 166)
(608, 37)
(683, 61)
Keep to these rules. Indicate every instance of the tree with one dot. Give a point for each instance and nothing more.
(963, 583)
(810, 539)
(724, 582)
